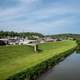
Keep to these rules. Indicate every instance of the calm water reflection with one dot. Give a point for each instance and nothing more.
(69, 69)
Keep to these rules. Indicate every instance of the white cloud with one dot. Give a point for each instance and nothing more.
(27, 17)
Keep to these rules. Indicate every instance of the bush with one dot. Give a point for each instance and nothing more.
(2, 42)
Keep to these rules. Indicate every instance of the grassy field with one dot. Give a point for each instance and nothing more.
(14, 59)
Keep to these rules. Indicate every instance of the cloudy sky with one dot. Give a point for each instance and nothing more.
(44, 16)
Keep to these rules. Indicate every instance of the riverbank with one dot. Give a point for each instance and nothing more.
(23, 62)
(68, 69)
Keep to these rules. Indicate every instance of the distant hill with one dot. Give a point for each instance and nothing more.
(33, 35)
(65, 36)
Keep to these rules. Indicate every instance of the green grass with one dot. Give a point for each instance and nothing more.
(14, 59)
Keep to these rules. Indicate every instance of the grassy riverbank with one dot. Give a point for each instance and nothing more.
(15, 59)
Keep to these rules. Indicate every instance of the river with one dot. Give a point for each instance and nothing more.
(68, 69)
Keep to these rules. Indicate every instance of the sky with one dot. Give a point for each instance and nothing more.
(43, 16)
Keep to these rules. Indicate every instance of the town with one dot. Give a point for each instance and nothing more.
(16, 40)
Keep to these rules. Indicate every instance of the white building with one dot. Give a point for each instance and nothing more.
(25, 42)
(49, 39)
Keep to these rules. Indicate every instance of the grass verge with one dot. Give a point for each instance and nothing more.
(18, 59)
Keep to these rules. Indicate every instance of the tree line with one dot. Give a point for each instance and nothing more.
(4, 34)
(65, 36)
(30, 35)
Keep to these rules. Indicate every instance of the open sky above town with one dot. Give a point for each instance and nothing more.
(44, 16)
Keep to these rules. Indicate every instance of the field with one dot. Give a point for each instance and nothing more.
(14, 59)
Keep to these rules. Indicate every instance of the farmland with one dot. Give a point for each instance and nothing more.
(14, 59)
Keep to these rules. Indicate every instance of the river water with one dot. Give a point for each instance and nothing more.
(68, 69)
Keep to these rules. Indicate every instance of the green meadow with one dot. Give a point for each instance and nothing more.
(15, 59)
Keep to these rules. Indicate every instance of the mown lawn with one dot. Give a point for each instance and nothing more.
(14, 59)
